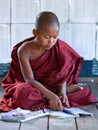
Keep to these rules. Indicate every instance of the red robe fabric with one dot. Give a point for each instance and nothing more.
(59, 64)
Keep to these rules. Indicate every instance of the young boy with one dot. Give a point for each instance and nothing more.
(44, 71)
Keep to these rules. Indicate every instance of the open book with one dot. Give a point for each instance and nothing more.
(21, 115)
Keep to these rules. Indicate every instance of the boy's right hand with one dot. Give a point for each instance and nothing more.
(55, 102)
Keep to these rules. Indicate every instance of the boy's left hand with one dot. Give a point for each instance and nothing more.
(64, 99)
(63, 94)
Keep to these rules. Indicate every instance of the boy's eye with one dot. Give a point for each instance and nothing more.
(55, 37)
(47, 37)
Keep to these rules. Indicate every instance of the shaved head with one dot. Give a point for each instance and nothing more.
(46, 19)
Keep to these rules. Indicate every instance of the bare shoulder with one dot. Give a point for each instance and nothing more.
(25, 49)
(30, 50)
(25, 46)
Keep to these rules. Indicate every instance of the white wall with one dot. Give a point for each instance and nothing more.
(77, 18)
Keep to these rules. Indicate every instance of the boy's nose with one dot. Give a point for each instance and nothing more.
(51, 40)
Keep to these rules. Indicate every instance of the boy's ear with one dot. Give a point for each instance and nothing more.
(34, 32)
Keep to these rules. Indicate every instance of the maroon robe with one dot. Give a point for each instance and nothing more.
(59, 64)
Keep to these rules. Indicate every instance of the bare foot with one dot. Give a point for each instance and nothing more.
(73, 88)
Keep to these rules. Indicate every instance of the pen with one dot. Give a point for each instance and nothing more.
(66, 111)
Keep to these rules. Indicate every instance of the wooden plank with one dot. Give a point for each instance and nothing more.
(9, 125)
(62, 124)
(88, 79)
(91, 108)
(1, 92)
(36, 124)
(0, 80)
(83, 123)
(86, 123)
(94, 88)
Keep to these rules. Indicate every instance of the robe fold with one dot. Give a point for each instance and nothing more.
(59, 64)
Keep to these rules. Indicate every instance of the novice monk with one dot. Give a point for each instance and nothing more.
(44, 71)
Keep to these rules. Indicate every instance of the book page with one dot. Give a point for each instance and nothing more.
(21, 115)
(58, 114)
(78, 112)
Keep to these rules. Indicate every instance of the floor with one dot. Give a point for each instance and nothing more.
(50, 123)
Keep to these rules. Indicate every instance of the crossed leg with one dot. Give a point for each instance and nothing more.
(73, 88)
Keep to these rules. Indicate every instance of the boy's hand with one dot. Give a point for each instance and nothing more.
(64, 99)
(63, 94)
(55, 102)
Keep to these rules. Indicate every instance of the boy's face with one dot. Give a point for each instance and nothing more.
(47, 37)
